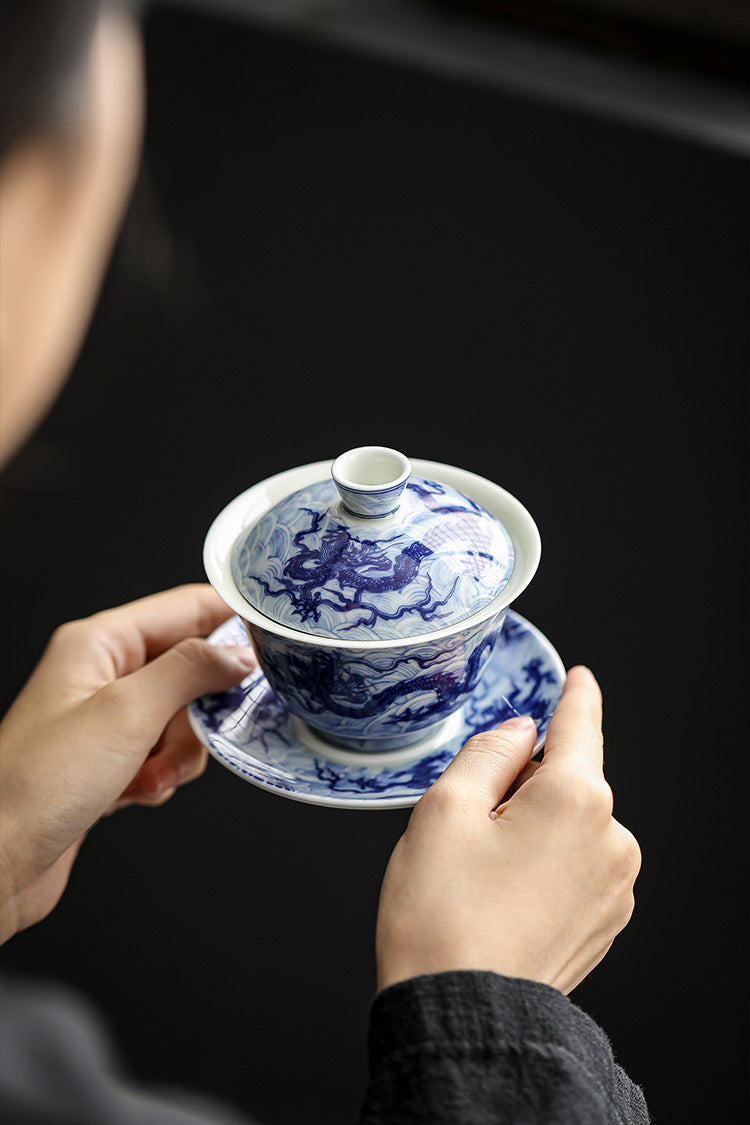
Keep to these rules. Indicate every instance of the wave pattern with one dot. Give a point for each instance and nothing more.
(310, 565)
(250, 731)
(349, 694)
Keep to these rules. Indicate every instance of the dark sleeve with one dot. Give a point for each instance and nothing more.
(475, 1048)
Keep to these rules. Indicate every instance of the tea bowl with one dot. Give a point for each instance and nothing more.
(373, 589)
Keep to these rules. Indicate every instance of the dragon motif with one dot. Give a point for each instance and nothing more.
(346, 573)
(309, 565)
(415, 689)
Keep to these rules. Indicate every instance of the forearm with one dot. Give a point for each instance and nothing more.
(30, 884)
(470, 1048)
(9, 866)
(8, 909)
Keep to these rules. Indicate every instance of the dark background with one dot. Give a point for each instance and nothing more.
(326, 250)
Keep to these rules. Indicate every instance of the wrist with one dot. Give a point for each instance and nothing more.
(8, 887)
(402, 961)
(8, 919)
(12, 849)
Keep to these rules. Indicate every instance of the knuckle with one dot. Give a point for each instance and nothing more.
(600, 797)
(567, 784)
(630, 853)
(192, 650)
(72, 634)
(582, 728)
(492, 743)
(621, 914)
(623, 860)
(596, 800)
(628, 908)
(441, 798)
(590, 798)
(447, 800)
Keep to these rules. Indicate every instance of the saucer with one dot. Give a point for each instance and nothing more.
(250, 731)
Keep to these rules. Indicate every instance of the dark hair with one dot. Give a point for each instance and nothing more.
(42, 46)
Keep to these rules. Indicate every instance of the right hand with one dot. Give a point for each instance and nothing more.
(539, 890)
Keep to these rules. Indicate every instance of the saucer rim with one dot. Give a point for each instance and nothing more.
(361, 803)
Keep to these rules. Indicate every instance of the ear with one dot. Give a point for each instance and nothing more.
(62, 199)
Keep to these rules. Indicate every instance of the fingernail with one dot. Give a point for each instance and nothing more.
(520, 722)
(243, 655)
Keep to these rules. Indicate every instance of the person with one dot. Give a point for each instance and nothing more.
(512, 878)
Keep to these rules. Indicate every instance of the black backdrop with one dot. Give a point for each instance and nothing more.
(325, 251)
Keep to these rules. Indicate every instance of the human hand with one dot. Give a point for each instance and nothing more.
(99, 725)
(511, 867)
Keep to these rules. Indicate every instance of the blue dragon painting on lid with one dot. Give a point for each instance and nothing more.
(312, 566)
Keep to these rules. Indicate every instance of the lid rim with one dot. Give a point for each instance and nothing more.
(437, 562)
(248, 508)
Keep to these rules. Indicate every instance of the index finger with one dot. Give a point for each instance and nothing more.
(575, 730)
(132, 634)
(162, 620)
(93, 651)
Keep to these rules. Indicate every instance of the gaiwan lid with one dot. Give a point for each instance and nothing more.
(372, 553)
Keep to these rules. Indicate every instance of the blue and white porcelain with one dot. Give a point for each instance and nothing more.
(313, 565)
(250, 731)
(373, 629)
(371, 480)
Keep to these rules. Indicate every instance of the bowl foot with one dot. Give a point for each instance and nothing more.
(377, 752)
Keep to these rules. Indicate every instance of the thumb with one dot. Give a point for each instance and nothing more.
(194, 667)
(490, 762)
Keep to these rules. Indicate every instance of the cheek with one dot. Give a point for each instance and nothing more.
(60, 210)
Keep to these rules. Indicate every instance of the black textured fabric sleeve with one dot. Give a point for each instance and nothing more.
(475, 1048)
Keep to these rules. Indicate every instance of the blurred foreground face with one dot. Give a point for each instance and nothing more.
(62, 197)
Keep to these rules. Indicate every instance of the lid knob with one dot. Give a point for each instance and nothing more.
(371, 479)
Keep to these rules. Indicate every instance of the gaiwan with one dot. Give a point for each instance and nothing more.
(373, 589)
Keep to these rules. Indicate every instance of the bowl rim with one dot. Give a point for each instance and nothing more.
(249, 506)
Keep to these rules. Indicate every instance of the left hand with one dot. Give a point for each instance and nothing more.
(99, 725)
